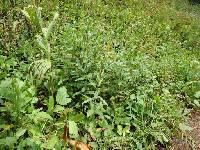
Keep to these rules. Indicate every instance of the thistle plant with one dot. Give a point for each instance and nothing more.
(34, 18)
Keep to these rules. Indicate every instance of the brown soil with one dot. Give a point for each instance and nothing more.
(195, 124)
(193, 136)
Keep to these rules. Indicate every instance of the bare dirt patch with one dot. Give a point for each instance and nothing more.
(195, 124)
(194, 143)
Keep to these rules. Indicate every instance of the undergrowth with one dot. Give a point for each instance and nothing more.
(118, 74)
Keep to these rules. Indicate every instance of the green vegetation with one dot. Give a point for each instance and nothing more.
(120, 74)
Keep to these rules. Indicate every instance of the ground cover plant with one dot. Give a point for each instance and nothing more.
(110, 74)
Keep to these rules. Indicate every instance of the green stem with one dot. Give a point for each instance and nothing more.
(48, 52)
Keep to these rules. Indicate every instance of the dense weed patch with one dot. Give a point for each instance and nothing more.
(118, 74)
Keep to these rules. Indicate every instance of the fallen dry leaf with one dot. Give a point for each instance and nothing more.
(78, 144)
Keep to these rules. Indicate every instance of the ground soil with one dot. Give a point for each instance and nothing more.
(193, 141)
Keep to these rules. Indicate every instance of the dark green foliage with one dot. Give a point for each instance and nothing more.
(121, 74)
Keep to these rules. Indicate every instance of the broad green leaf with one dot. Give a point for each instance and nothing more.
(196, 102)
(73, 129)
(50, 143)
(62, 97)
(25, 99)
(6, 89)
(31, 90)
(44, 115)
(139, 145)
(11, 141)
(20, 132)
(197, 94)
(35, 131)
(34, 100)
(39, 116)
(68, 100)
(94, 145)
(157, 99)
(3, 109)
(76, 117)
(119, 130)
(90, 112)
(141, 102)
(87, 100)
(50, 105)
(59, 108)
(3, 141)
(132, 96)
(126, 129)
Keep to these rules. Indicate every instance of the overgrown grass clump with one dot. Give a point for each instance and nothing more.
(119, 74)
